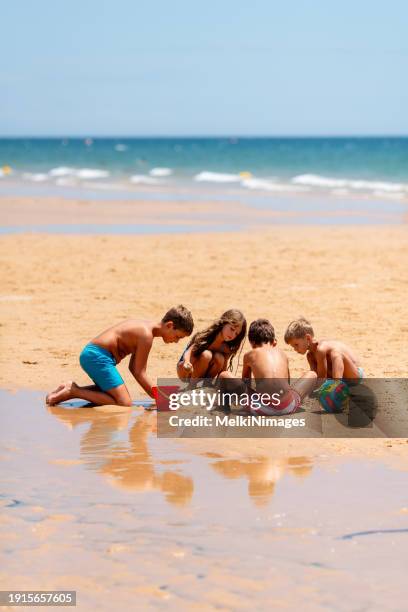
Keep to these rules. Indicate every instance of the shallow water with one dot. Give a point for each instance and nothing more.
(92, 500)
(286, 209)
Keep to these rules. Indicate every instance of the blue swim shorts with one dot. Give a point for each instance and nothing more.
(100, 365)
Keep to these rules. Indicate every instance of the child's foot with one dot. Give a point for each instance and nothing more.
(52, 393)
(61, 393)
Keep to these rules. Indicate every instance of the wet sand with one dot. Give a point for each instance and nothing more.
(93, 501)
(230, 210)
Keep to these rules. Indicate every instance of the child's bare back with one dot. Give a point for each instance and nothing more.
(267, 361)
(125, 338)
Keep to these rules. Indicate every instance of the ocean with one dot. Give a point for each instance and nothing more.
(374, 168)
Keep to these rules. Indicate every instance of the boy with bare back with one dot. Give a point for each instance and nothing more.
(268, 366)
(328, 358)
(100, 357)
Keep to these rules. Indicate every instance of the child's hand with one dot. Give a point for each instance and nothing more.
(187, 366)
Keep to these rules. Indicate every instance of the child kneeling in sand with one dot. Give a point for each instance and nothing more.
(100, 357)
(328, 358)
(212, 350)
(268, 365)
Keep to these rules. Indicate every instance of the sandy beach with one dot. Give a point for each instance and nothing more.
(121, 498)
(58, 291)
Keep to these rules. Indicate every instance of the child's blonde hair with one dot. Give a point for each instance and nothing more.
(298, 329)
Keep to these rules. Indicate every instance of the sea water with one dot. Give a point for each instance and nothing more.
(339, 167)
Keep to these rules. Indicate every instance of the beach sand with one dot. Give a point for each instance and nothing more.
(59, 291)
(94, 501)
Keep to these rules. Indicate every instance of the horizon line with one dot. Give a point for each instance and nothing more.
(195, 136)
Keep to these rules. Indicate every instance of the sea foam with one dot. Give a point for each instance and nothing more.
(217, 177)
(143, 179)
(61, 171)
(316, 180)
(36, 177)
(161, 172)
(269, 185)
(91, 173)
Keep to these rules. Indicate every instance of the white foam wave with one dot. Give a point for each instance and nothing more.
(217, 177)
(138, 179)
(91, 173)
(378, 186)
(268, 185)
(80, 173)
(315, 180)
(61, 171)
(121, 147)
(161, 172)
(36, 177)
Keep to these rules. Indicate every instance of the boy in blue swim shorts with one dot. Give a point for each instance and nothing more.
(328, 358)
(100, 357)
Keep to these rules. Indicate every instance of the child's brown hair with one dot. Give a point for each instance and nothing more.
(181, 317)
(261, 331)
(202, 340)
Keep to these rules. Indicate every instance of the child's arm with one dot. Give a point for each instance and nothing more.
(312, 361)
(138, 363)
(187, 358)
(321, 363)
(246, 369)
(337, 364)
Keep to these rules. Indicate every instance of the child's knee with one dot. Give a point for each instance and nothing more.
(224, 375)
(206, 356)
(218, 360)
(121, 397)
(125, 402)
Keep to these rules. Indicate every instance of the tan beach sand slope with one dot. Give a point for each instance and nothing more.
(59, 291)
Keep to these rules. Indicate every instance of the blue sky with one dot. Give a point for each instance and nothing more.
(180, 67)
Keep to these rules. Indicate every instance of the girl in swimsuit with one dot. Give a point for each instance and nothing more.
(212, 350)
